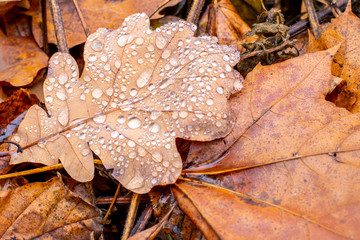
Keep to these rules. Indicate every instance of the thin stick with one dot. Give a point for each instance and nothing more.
(143, 220)
(44, 26)
(195, 10)
(82, 20)
(38, 170)
(112, 203)
(120, 200)
(314, 22)
(131, 216)
(59, 26)
(267, 51)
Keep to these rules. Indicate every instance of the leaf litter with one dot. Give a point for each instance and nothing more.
(140, 90)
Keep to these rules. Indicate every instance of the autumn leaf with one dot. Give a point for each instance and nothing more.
(47, 210)
(140, 90)
(345, 30)
(20, 60)
(108, 14)
(292, 155)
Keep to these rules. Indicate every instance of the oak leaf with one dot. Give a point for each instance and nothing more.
(109, 14)
(290, 167)
(140, 90)
(47, 210)
(345, 30)
(20, 60)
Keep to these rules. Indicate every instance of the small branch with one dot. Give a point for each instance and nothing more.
(82, 20)
(120, 200)
(44, 26)
(19, 149)
(112, 203)
(131, 215)
(314, 22)
(59, 26)
(195, 10)
(143, 220)
(266, 51)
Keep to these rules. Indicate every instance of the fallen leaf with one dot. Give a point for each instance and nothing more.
(109, 14)
(20, 60)
(291, 154)
(19, 102)
(226, 214)
(225, 23)
(6, 5)
(47, 210)
(345, 30)
(140, 90)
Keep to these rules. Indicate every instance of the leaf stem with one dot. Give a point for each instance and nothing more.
(112, 203)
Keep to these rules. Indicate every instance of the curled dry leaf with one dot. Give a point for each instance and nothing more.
(140, 90)
(47, 210)
(20, 60)
(345, 30)
(97, 13)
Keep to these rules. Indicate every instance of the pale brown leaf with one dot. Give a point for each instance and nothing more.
(140, 90)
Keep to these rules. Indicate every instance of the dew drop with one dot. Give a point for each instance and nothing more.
(117, 64)
(63, 117)
(96, 45)
(134, 123)
(183, 114)
(49, 99)
(157, 156)
(100, 119)
(131, 143)
(122, 40)
(154, 127)
(220, 90)
(139, 41)
(92, 58)
(209, 102)
(166, 164)
(121, 119)
(97, 93)
(166, 54)
(61, 95)
(142, 152)
(218, 124)
(228, 68)
(87, 78)
(109, 91)
(160, 41)
(237, 85)
(63, 77)
(115, 134)
(144, 78)
(133, 92)
(85, 151)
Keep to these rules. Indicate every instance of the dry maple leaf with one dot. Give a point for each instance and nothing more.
(290, 165)
(139, 91)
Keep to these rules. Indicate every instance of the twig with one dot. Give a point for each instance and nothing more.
(82, 20)
(120, 200)
(44, 26)
(19, 149)
(143, 220)
(112, 203)
(302, 25)
(266, 51)
(195, 10)
(314, 22)
(38, 170)
(131, 216)
(59, 26)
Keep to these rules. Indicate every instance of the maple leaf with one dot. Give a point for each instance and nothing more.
(139, 91)
(47, 210)
(290, 167)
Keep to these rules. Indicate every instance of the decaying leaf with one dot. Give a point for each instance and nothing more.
(225, 23)
(290, 153)
(48, 211)
(140, 89)
(109, 14)
(345, 30)
(7, 5)
(20, 60)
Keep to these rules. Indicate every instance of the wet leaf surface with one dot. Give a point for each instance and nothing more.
(47, 210)
(139, 91)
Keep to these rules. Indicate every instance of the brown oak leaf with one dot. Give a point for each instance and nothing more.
(140, 90)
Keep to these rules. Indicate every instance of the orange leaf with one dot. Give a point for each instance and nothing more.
(47, 210)
(345, 30)
(20, 60)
